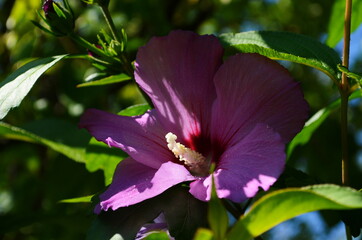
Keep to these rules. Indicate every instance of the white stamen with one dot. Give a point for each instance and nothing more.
(190, 157)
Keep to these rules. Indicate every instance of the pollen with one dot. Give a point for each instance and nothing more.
(189, 157)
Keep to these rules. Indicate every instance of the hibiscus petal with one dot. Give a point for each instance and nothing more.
(201, 188)
(134, 182)
(256, 161)
(177, 71)
(251, 89)
(141, 137)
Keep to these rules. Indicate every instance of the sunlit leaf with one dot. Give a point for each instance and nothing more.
(135, 110)
(336, 23)
(95, 76)
(286, 46)
(58, 135)
(204, 234)
(281, 205)
(315, 121)
(17, 85)
(108, 80)
(86, 199)
(157, 236)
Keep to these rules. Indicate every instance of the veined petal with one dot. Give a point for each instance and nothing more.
(256, 161)
(134, 182)
(177, 71)
(141, 137)
(254, 89)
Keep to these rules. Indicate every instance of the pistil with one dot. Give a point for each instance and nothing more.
(196, 162)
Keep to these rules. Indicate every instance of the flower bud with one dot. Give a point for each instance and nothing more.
(92, 54)
(48, 7)
(59, 17)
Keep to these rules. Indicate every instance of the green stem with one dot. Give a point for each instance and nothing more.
(344, 137)
(123, 59)
(344, 90)
(110, 23)
(346, 41)
(127, 66)
(348, 233)
(118, 37)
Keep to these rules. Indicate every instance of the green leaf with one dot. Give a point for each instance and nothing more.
(286, 46)
(315, 121)
(184, 213)
(86, 199)
(204, 234)
(59, 11)
(95, 76)
(279, 206)
(336, 22)
(99, 156)
(157, 236)
(108, 80)
(43, 28)
(217, 215)
(135, 110)
(58, 135)
(18, 84)
(88, 1)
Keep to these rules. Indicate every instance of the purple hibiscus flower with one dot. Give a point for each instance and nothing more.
(237, 115)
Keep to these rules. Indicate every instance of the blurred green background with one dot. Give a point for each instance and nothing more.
(33, 178)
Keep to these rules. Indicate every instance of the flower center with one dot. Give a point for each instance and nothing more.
(196, 163)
